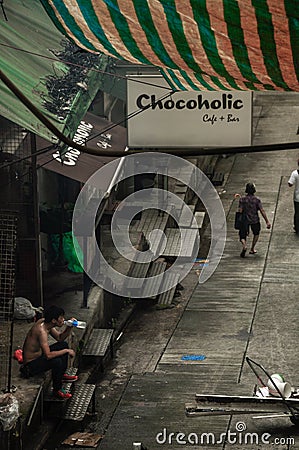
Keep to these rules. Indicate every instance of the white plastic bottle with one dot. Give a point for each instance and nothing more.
(76, 323)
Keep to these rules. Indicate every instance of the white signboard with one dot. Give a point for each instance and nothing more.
(186, 118)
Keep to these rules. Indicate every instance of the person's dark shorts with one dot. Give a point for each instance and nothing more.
(255, 228)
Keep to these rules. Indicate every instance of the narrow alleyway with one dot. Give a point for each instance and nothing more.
(247, 308)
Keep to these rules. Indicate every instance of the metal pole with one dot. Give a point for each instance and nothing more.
(10, 356)
(11, 326)
(38, 265)
(86, 282)
(37, 398)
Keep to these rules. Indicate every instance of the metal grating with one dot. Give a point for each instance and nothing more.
(8, 237)
(99, 342)
(78, 404)
(67, 386)
(71, 371)
(5, 338)
(18, 194)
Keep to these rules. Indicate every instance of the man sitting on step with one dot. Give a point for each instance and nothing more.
(39, 356)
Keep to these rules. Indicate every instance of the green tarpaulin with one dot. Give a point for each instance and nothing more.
(33, 55)
(198, 44)
(68, 251)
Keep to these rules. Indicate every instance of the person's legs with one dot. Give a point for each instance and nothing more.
(256, 228)
(58, 365)
(38, 365)
(243, 232)
(254, 241)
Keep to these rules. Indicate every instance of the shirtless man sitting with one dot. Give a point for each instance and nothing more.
(39, 356)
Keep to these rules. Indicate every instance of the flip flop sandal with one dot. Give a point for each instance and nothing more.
(243, 252)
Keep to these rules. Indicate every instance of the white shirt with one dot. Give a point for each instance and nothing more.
(294, 179)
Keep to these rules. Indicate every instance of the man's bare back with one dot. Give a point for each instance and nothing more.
(32, 346)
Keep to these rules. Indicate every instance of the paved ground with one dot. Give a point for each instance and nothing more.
(248, 307)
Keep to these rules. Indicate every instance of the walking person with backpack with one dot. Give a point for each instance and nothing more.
(250, 206)
(294, 181)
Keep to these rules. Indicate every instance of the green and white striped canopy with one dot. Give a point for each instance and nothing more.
(197, 44)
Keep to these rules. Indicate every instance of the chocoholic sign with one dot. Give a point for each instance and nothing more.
(160, 119)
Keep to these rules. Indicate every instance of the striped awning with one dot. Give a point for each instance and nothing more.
(197, 44)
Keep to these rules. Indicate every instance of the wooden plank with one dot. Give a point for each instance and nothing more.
(137, 275)
(157, 267)
(170, 283)
(179, 189)
(175, 238)
(151, 219)
(165, 299)
(185, 217)
(199, 218)
(152, 288)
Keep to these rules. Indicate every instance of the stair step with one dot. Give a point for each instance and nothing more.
(209, 171)
(199, 218)
(152, 287)
(67, 386)
(77, 406)
(180, 242)
(165, 299)
(99, 341)
(218, 179)
(157, 268)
